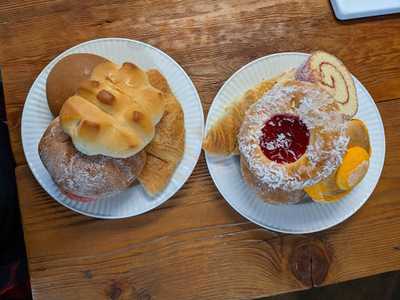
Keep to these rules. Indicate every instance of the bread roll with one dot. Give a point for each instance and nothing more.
(83, 177)
(65, 77)
(114, 113)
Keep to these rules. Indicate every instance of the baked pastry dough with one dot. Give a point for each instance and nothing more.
(332, 75)
(167, 147)
(221, 138)
(64, 79)
(292, 138)
(114, 113)
(278, 196)
(352, 169)
(123, 121)
(81, 177)
(358, 133)
(350, 173)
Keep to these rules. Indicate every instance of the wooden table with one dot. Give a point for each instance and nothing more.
(196, 246)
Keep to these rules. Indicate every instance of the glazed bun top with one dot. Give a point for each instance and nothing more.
(114, 113)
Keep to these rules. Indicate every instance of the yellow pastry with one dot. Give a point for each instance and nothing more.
(353, 168)
(326, 190)
(358, 133)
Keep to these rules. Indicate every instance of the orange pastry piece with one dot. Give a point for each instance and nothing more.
(326, 190)
(353, 168)
(358, 133)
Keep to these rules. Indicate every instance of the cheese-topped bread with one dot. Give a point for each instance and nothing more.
(114, 113)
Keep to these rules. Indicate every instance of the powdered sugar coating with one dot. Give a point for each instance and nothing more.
(328, 140)
(94, 176)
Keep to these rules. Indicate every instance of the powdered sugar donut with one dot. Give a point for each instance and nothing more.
(81, 177)
(292, 138)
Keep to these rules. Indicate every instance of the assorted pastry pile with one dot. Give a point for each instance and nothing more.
(296, 135)
(113, 125)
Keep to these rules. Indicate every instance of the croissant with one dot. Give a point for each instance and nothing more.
(221, 138)
(166, 149)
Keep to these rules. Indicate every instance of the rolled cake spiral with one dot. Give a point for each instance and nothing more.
(292, 138)
(331, 74)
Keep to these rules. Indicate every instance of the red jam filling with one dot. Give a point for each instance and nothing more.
(284, 138)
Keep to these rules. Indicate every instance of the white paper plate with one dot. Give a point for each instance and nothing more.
(305, 217)
(36, 117)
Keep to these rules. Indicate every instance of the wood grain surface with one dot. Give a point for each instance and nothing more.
(210, 39)
(195, 246)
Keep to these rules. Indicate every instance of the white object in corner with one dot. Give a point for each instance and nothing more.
(352, 9)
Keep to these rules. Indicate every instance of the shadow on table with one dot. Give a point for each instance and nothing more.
(379, 287)
(14, 281)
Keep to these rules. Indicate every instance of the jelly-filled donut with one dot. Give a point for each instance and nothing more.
(292, 138)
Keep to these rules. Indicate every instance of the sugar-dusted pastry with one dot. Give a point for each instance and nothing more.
(292, 138)
(278, 196)
(81, 177)
(114, 113)
(118, 124)
(352, 169)
(331, 74)
(167, 147)
(221, 138)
